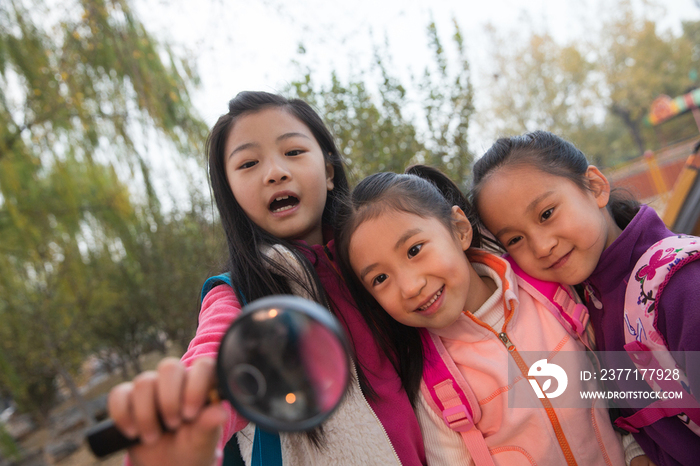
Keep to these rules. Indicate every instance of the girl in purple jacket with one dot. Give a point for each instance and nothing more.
(556, 216)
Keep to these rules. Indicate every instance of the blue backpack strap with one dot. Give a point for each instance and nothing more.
(211, 282)
(267, 448)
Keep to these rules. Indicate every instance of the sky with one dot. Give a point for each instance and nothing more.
(253, 45)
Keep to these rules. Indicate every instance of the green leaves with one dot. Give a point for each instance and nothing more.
(369, 117)
(82, 86)
(447, 96)
(595, 91)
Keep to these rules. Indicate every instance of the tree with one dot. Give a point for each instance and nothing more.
(447, 96)
(373, 129)
(539, 84)
(371, 137)
(594, 91)
(46, 284)
(639, 64)
(82, 87)
(177, 255)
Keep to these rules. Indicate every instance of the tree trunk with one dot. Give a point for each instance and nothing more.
(135, 363)
(632, 126)
(123, 368)
(67, 378)
(75, 393)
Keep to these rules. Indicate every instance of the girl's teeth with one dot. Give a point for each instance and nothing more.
(282, 209)
(281, 198)
(427, 305)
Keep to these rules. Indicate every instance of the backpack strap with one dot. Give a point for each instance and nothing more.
(686, 407)
(560, 300)
(454, 401)
(649, 276)
(211, 282)
(267, 448)
(644, 343)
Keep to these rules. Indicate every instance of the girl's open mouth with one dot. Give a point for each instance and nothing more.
(283, 203)
(426, 308)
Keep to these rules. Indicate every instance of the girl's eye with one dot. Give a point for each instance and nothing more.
(547, 213)
(248, 164)
(294, 152)
(512, 241)
(414, 250)
(379, 279)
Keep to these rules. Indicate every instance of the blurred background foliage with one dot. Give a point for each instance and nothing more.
(91, 261)
(595, 91)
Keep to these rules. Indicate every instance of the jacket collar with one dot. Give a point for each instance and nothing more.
(615, 263)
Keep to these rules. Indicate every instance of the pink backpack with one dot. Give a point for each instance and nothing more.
(455, 402)
(645, 344)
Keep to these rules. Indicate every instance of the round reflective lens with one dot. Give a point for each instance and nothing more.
(284, 363)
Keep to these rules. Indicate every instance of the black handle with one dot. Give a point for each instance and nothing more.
(104, 438)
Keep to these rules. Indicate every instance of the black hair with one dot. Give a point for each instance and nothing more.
(252, 273)
(422, 191)
(551, 154)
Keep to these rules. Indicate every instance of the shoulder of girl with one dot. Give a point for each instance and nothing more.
(220, 295)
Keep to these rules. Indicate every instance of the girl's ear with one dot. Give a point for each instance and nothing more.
(463, 227)
(330, 171)
(599, 185)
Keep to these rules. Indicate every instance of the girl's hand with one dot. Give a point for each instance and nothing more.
(178, 396)
(642, 460)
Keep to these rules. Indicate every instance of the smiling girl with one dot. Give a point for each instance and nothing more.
(409, 249)
(556, 216)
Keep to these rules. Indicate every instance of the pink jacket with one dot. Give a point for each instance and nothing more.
(516, 435)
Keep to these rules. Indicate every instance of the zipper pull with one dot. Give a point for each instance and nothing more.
(590, 296)
(506, 341)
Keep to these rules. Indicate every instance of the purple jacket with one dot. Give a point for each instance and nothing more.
(667, 442)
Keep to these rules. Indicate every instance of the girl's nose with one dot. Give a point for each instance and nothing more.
(277, 172)
(543, 246)
(411, 285)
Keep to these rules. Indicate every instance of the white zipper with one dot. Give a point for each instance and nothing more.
(386, 435)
